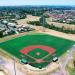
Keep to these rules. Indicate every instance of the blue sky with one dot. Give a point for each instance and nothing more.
(36, 2)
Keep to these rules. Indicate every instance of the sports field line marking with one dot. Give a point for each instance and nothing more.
(36, 59)
(31, 57)
(46, 56)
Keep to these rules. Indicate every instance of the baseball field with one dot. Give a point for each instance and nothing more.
(37, 49)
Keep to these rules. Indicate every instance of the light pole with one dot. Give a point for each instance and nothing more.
(14, 66)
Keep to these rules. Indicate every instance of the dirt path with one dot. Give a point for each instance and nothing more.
(55, 33)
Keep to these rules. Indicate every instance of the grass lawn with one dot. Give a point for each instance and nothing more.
(71, 71)
(15, 45)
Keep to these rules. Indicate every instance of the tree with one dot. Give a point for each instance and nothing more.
(74, 63)
(43, 22)
(1, 34)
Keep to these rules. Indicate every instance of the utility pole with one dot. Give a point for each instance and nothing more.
(35, 12)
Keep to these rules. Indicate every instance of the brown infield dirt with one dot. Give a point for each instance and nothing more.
(30, 48)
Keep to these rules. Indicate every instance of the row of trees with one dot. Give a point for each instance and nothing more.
(42, 22)
(37, 23)
(9, 33)
(71, 22)
(62, 29)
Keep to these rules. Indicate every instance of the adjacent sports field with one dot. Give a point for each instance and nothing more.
(38, 49)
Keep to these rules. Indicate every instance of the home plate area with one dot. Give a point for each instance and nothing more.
(37, 55)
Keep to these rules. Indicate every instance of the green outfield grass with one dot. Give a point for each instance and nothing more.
(15, 45)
